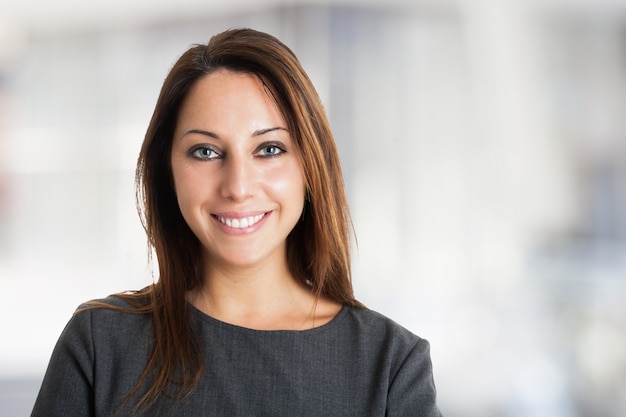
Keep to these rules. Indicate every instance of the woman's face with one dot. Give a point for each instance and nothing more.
(237, 175)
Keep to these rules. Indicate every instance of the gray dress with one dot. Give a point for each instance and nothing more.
(359, 364)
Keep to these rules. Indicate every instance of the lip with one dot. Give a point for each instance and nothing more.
(235, 223)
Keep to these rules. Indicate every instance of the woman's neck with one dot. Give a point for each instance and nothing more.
(262, 298)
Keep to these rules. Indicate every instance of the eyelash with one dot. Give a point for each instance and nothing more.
(280, 150)
(195, 151)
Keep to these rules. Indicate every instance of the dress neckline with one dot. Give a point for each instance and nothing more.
(212, 320)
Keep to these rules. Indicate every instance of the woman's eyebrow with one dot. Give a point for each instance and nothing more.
(268, 130)
(201, 132)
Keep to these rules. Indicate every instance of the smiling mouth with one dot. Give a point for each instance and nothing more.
(241, 223)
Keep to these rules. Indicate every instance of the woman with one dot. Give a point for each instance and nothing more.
(253, 313)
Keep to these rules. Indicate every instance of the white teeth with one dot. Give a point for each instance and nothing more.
(241, 223)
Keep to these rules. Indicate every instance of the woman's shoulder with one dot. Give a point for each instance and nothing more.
(135, 301)
(112, 315)
(381, 341)
(377, 326)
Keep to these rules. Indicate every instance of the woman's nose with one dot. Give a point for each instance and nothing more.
(238, 178)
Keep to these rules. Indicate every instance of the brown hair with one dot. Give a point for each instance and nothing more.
(318, 248)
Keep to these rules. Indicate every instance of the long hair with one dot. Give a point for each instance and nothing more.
(318, 248)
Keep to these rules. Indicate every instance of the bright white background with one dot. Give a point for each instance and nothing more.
(484, 148)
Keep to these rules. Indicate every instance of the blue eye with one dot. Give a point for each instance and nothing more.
(271, 150)
(202, 152)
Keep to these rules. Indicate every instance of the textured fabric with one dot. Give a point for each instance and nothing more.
(359, 364)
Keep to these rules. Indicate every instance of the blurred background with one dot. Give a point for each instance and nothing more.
(484, 148)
